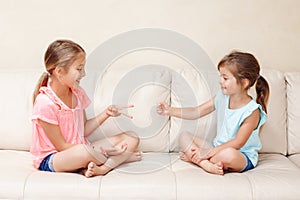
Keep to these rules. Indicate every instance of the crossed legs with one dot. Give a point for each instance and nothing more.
(226, 159)
(130, 154)
(92, 160)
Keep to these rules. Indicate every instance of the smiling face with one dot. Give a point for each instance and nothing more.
(74, 73)
(229, 84)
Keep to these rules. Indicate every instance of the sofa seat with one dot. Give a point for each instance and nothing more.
(157, 176)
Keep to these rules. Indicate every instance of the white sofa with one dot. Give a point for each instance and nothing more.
(160, 174)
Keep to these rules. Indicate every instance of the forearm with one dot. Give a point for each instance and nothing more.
(230, 144)
(185, 113)
(93, 123)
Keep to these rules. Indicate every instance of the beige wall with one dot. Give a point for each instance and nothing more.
(268, 28)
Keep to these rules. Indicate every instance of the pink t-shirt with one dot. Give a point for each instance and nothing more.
(49, 108)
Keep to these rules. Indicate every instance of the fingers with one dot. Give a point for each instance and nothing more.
(126, 115)
(115, 110)
(162, 108)
(125, 107)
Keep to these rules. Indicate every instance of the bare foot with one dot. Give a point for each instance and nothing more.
(184, 157)
(94, 170)
(216, 168)
(136, 156)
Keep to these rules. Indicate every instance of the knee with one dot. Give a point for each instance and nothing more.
(183, 136)
(132, 138)
(228, 155)
(84, 152)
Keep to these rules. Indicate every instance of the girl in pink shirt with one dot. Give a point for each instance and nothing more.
(60, 127)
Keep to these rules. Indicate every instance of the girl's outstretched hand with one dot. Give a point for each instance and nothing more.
(115, 111)
(163, 109)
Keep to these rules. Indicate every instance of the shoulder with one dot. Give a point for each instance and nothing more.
(255, 114)
(45, 99)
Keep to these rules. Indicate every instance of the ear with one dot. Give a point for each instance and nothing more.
(245, 83)
(58, 71)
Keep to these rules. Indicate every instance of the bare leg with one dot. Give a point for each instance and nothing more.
(76, 157)
(232, 159)
(132, 142)
(189, 143)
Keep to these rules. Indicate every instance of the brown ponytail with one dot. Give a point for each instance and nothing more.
(41, 82)
(262, 91)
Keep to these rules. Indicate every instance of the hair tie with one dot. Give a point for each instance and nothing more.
(258, 76)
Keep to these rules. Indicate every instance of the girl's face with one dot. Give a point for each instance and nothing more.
(228, 82)
(75, 72)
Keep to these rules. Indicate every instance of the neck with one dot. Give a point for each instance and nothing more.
(60, 90)
(239, 100)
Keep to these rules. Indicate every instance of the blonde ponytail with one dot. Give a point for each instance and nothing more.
(41, 82)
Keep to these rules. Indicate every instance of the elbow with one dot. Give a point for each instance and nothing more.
(239, 144)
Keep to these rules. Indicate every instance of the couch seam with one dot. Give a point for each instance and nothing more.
(174, 174)
(100, 187)
(252, 189)
(169, 118)
(25, 183)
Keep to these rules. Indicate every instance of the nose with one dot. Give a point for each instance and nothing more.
(83, 73)
(220, 80)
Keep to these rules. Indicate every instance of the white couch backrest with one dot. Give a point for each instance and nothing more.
(157, 133)
(187, 88)
(293, 109)
(16, 88)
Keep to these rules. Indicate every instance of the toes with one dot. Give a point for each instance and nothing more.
(90, 170)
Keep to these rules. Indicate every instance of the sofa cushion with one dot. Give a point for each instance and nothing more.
(15, 169)
(190, 88)
(295, 158)
(143, 87)
(293, 110)
(48, 185)
(275, 177)
(194, 183)
(273, 132)
(151, 178)
(17, 88)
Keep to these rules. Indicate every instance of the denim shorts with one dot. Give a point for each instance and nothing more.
(47, 164)
(249, 164)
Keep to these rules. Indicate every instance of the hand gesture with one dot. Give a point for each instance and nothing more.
(163, 109)
(114, 111)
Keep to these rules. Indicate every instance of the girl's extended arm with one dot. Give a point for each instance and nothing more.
(243, 134)
(91, 124)
(187, 113)
(55, 136)
(112, 111)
